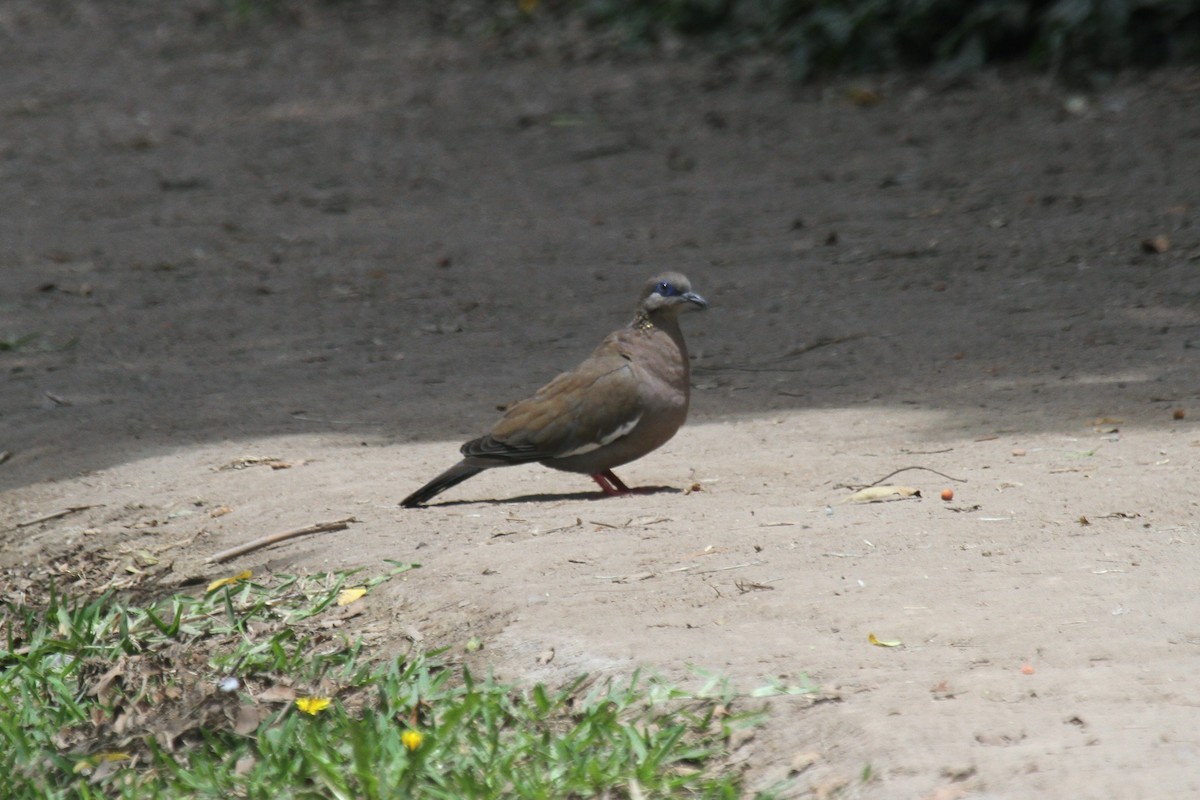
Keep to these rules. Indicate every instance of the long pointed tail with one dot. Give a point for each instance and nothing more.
(451, 477)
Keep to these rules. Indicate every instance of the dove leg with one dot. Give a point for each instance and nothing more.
(610, 483)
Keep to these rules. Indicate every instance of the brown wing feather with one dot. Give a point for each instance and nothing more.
(587, 405)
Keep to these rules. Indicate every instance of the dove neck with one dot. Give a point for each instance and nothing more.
(642, 321)
(666, 323)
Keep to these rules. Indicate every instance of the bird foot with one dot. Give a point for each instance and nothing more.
(610, 484)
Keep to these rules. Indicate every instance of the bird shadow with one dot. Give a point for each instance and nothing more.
(546, 498)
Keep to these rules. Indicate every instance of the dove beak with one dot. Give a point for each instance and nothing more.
(695, 300)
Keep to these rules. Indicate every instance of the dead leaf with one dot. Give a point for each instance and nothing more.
(220, 511)
(100, 690)
(348, 596)
(244, 575)
(247, 461)
(97, 759)
(881, 494)
(873, 639)
(276, 694)
(248, 719)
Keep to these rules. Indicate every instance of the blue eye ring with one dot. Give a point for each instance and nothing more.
(666, 289)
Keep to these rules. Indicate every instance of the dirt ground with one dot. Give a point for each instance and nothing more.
(341, 243)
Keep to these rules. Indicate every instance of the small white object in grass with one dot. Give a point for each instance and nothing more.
(229, 684)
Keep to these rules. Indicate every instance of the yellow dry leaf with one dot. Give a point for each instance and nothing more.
(879, 494)
(312, 705)
(97, 759)
(875, 640)
(348, 596)
(244, 575)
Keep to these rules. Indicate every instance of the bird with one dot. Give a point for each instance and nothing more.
(627, 398)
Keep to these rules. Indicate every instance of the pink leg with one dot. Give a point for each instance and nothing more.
(610, 483)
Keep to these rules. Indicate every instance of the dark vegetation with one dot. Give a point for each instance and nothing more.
(1073, 39)
(1077, 41)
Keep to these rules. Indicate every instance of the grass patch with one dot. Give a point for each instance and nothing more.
(252, 690)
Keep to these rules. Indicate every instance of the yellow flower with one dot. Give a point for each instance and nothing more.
(412, 739)
(312, 705)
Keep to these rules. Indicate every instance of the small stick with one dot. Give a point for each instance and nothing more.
(320, 527)
(905, 469)
(56, 515)
(726, 569)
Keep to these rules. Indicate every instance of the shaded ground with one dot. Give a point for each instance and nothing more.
(341, 244)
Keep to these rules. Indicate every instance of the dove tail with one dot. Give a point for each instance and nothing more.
(451, 477)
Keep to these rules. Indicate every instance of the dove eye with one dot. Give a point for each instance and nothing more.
(666, 289)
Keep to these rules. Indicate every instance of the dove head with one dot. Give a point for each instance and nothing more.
(670, 293)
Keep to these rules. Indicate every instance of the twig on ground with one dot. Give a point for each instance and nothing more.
(578, 523)
(726, 569)
(751, 586)
(56, 515)
(320, 527)
(905, 469)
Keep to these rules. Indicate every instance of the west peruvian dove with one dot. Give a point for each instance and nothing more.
(628, 398)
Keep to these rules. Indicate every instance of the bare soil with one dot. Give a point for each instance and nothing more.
(341, 243)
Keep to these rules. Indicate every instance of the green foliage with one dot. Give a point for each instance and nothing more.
(1075, 39)
(244, 692)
